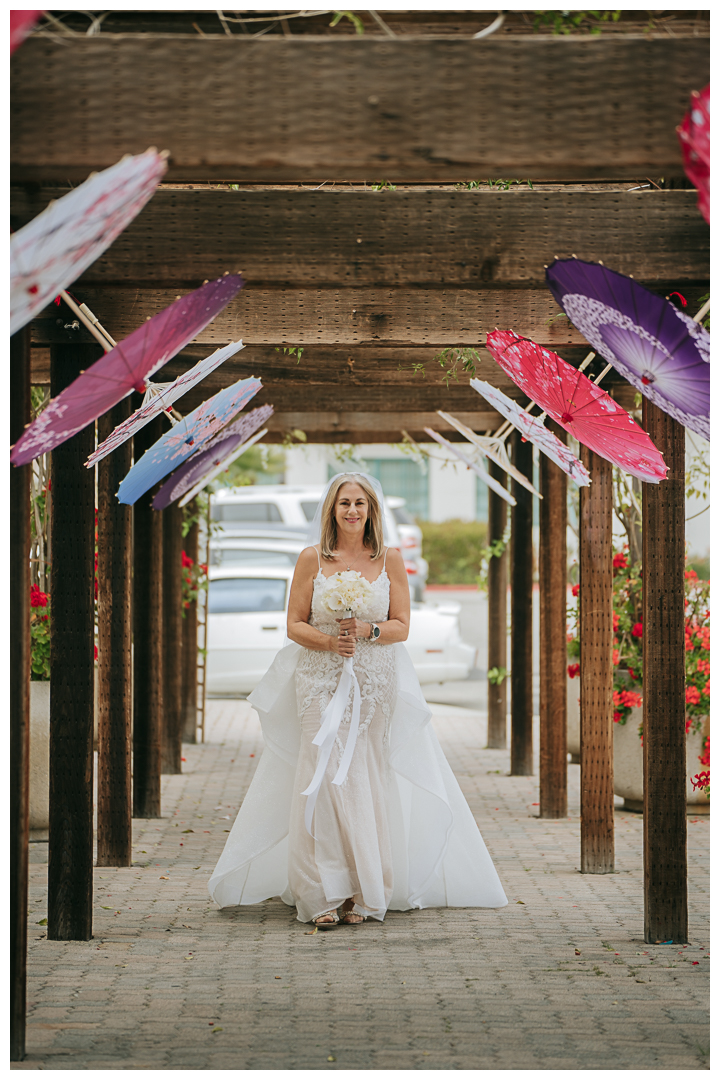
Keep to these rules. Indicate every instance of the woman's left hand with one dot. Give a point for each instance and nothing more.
(354, 628)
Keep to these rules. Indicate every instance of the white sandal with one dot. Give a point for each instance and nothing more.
(351, 911)
(327, 925)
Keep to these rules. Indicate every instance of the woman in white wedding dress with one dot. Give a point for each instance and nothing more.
(353, 809)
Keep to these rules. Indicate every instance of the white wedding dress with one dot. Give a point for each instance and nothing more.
(396, 834)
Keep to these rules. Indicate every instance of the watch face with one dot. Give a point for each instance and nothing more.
(376, 631)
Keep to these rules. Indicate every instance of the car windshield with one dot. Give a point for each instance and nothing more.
(309, 508)
(252, 557)
(239, 595)
(246, 511)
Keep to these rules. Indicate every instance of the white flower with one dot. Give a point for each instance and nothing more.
(346, 591)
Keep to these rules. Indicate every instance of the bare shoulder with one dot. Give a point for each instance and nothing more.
(307, 563)
(394, 562)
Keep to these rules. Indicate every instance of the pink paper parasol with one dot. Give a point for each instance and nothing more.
(576, 404)
(694, 135)
(191, 433)
(212, 455)
(159, 397)
(125, 368)
(54, 249)
(532, 429)
(477, 469)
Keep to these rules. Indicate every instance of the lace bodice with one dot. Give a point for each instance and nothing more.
(374, 610)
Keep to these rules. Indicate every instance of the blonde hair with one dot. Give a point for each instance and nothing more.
(328, 524)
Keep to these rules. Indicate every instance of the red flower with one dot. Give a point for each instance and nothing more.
(617, 717)
(96, 589)
(705, 759)
(186, 560)
(691, 575)
(573, 670)
(706, 689)
(575, 590)
(637, 630)
(619, 561)
(633, 676)
(616, 621)
(616, 656)
(701, 780)
(37, 598)
(203, 567)
(692, 695)
(96, 652)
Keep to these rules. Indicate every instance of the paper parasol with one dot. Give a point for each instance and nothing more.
(158, 398)
(579, 406)
(212, 455)
(492, 448)
(125, 368)
(192, 432)
(477, 469)
(662, 352)
(54, 249)
(531, 429)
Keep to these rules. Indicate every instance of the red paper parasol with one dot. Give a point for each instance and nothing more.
(125, 368)
(694, 135)
(21, 23)
(583, 409)
(54, 249)
(158, 398)
(532, 428)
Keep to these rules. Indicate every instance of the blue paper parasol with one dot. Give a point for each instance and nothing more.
(185, 439)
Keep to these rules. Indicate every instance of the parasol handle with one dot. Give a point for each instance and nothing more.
(602, 374)
(702, 312)
(93, 325)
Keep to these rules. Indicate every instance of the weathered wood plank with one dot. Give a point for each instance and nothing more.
(72, 669)
(18, 775)
(664, 741)
(552, 563)
(348, 316)
(173, 659)
(391, 238)
(357, 108)
(597, 826)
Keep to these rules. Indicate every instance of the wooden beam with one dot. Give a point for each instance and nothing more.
(597, 826)
(413, 237)
(18, 776)
(664, 740)
(521, 606)
(189, 636)
(497, 614)
(553, 636)
(114, 572)
(72, 668)
(172, 638)
(147, 637)
(401, 109)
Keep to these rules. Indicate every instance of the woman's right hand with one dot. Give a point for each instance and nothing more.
(343, 645)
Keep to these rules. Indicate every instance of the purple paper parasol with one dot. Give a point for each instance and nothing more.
(192, 432)
(662, 352)
(211, 455)
(125, 368)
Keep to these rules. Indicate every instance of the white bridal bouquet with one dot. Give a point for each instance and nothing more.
(346, 591)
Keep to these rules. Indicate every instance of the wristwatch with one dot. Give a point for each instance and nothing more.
(374, 631)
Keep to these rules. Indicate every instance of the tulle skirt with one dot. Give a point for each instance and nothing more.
(398, 833)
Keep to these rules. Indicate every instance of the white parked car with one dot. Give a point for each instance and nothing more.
(247, 621)
(282, 507)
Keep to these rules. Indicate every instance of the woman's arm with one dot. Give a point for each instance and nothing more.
(397, 626)
(298, 627)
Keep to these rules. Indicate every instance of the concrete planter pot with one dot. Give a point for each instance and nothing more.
(39, 760)
(628, 754)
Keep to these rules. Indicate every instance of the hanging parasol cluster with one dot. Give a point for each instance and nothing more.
(47, 255)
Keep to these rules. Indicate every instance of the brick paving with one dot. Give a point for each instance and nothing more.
(559, 979)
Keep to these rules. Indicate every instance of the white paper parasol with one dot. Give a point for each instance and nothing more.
(493, 448)
(477, 469)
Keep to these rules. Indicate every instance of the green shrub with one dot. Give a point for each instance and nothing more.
(454, 550)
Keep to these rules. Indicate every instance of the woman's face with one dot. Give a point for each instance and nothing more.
(351, 509)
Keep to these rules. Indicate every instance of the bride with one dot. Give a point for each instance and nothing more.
(353, 809)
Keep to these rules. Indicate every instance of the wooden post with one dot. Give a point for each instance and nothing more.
(553, 643)
(172, 518)
(19, 691)
(664, 740)
(521, 659)
(72, 667)
(114, 806)
(147, 641)
(497, 615)
(597, 827)
(189, 643)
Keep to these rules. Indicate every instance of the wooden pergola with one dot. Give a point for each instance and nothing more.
(279, 177)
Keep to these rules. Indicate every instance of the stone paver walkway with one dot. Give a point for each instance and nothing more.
(559, 979)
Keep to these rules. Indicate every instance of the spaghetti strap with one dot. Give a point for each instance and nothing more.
(317, 552)
(385, 559)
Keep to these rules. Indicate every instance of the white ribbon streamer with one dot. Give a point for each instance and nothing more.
(325, 738)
